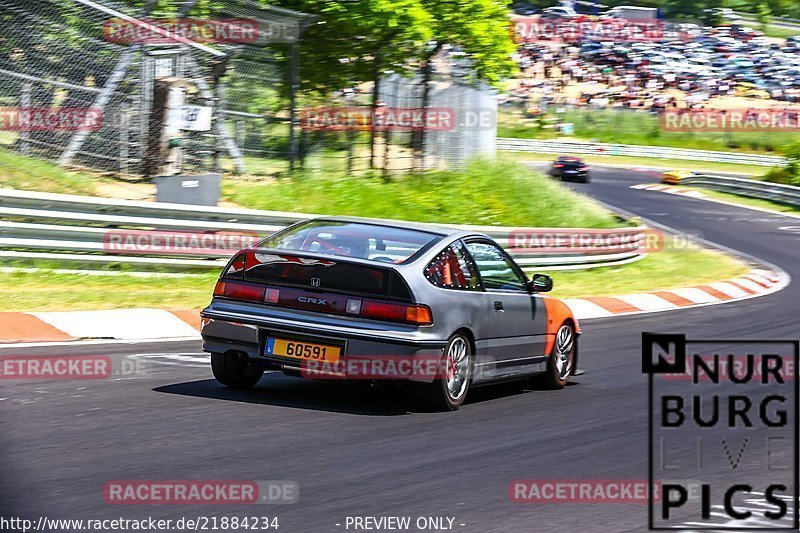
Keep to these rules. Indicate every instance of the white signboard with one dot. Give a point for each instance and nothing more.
(191, 117)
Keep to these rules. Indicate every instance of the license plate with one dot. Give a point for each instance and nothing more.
(307, 351)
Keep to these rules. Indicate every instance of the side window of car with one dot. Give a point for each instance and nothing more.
(453, 269)
(496, 270)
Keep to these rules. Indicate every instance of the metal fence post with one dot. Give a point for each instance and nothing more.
(25, 101)
(124, 138)
(293, 88)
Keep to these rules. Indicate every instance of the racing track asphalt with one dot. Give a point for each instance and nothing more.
(361, 454)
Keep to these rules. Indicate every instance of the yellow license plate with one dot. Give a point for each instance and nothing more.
(308, 351)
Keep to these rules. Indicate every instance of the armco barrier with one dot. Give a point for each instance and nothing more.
(784, 22)
(74, 229)
(662, 152)
(785, 194)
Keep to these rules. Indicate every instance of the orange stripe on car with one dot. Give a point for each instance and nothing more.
(557, 313)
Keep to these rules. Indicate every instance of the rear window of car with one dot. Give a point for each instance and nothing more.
(352, 239)
(453, 269)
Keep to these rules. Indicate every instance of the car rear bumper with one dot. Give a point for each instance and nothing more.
(576, 176)
(567, 176)
(227, 330)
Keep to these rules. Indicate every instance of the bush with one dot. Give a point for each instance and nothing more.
(484, 192)
(778, 175)
(792, 153)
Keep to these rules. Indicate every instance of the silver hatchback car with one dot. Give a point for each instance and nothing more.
(347, 298)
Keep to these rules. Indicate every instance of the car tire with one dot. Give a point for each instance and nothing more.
(561, 361)
(449, 392)
(234, 371)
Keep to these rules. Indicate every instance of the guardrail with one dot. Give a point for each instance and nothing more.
(662, 152)
(67, 228)
(764, 190)
(782, 21)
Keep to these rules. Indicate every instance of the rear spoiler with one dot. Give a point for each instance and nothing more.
(347, 275)
(291, 255)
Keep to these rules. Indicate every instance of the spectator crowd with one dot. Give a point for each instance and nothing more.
(684, 66)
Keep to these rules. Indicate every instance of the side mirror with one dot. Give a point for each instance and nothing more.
(540, 283)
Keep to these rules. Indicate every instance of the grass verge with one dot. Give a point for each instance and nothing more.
(485, 193)
(50, 291)
(671, 268)
(642, 128)
(26, 173)
(749, 202)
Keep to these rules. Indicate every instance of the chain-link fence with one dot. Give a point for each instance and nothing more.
(77, 81)
(400, 126)
(96, 84)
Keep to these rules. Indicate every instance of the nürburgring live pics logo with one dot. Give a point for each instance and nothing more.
(723, 433)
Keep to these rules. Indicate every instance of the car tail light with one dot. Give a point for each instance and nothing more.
(392, 312)
(558, 165)
(419, 314)
(237, 290)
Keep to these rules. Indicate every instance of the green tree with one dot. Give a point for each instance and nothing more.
(355, 42)
(792, 154)
(480, 29)
(763, 13)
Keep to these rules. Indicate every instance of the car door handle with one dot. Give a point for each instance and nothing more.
(498, 306)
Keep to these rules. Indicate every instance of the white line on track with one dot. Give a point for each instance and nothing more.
(193, 359)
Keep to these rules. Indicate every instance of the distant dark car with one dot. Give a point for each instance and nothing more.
(570, 169)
